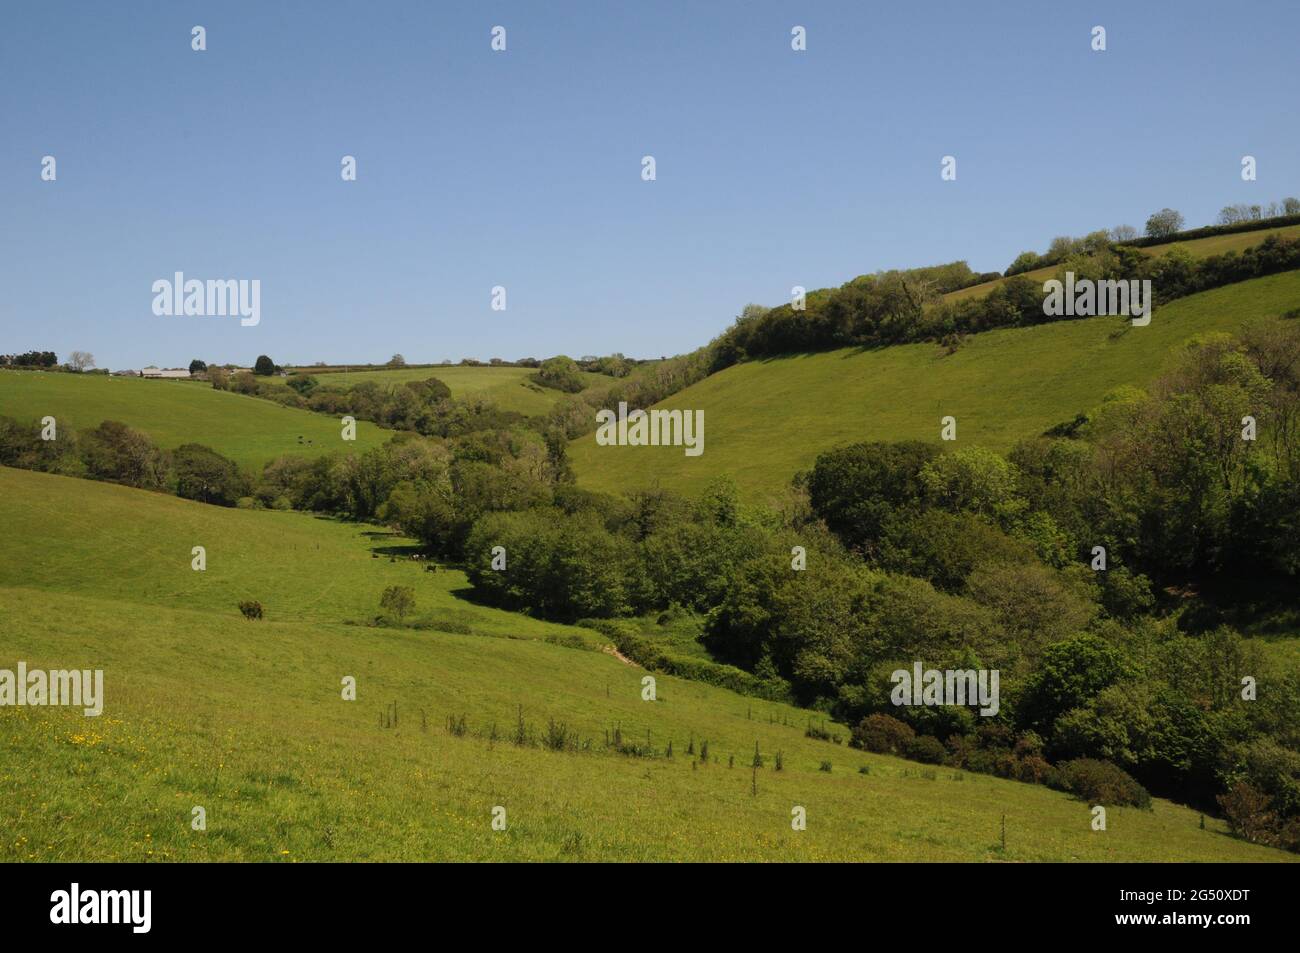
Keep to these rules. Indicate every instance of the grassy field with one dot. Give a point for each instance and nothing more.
(508, 387)
(246, 720)
(112, 542)
(249, 430)
(1197, 248)
(766, 419)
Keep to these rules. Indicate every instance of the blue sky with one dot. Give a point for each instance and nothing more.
(522, 168)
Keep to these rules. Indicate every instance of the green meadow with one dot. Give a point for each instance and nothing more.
(249, 430)
(510, 388)
(246, 720)
(113, 542)
(764, 420)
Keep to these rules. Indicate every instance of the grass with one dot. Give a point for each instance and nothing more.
(1197, 248)
(510, 388)
(765, 420)
(246, 720)
(105, 541)
(249, 430)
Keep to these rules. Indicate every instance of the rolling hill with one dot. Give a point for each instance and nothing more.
(764, 420)
(246, 720)
(249, 430)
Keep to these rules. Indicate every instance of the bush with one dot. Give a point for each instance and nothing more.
(251, 608)
(397, 601)
(1035, 770)
(303, 384)
(557, 736)
(925, 748)
(1100, 782)
(1029, 745)
(117, 453)
(883, 734)
(821, 733)
(203, 474)
(1249, 813)
(560, 373)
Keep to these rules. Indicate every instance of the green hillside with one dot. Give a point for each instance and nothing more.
(249, 430)
(113, 542)
(764, 420)
(510, 388)
(246, 720)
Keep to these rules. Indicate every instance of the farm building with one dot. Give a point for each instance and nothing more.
(165, 373)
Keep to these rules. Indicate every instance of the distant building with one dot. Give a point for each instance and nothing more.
(170, 373)
(125, 373)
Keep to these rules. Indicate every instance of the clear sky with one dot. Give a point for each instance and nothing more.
(523, 168)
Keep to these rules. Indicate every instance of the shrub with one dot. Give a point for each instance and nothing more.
(302, 384)
(203, 474)
(1035, 770)
(251, 609)
(821, 733)
(1100, 782)
(397, 601)
(1029, 745)
(560, 373)
(882, 734)
(557, 736)
(1249, 813)
(925, 748)
(1273, 770)
(1252, 815)
(120, 454)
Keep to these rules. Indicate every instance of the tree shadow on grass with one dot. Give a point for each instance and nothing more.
(401, 552)
(1258, 607)
(467, 593)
